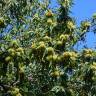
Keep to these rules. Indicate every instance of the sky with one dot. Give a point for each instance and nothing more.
(84, 9)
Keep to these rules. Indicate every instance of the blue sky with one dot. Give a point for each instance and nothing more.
(83, 9)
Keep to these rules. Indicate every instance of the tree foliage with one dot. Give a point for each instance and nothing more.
(37, 55)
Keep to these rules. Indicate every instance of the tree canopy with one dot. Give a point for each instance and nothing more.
(37, 55)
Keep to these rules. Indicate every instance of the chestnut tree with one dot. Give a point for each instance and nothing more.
(37, 55)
